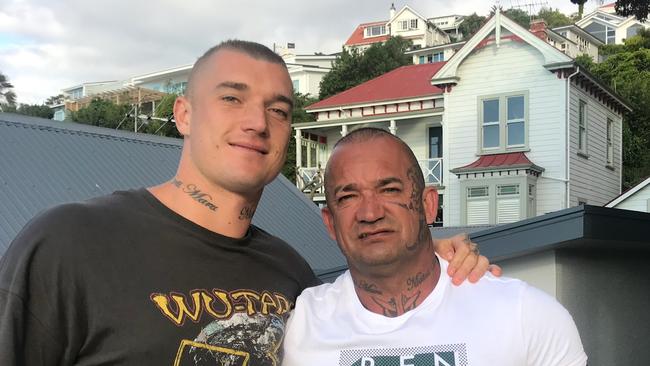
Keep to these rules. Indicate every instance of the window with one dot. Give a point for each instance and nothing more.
(296, 84)
(423, 59)
(376, 30)
(582, 126)
(516, 121)
(435, 142)
(610, 144)
(414, 23)
(503, 122)
(430, 58)
(497, 200)
(491, 123)
(404, 24)
(478, 205)
(439, 215)
(438, 57)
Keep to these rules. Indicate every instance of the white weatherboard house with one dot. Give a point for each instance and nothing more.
(636, 198)
(604, 24)
(509, 128)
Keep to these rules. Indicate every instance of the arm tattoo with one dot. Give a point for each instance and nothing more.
(196, 194)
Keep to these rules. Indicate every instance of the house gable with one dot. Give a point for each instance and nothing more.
(491, 32)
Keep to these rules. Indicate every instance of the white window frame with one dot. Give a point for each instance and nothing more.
(610, 142)
(439, 56)
(403, 25)
(413, 23)
(583, 128)
(503, 123)
(527, 193)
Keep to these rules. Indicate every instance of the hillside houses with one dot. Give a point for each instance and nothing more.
(509, 128)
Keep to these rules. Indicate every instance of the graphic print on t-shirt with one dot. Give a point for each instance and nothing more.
(245, 327)
(438, 355)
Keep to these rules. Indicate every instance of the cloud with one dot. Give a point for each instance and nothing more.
(50, 45)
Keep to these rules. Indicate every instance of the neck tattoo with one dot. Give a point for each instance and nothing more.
(196, 194)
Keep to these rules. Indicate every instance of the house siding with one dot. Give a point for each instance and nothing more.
(591, 179)
(639, 201)
(519, 69)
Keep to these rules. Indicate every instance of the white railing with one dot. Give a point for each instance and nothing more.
(432, 170)
(310, 180)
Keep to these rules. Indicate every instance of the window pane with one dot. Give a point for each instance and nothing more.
(422, 60)
(477, 192)
(491, 110)
(516, 135)
(511, 189)
(491, 136)
(516, 107)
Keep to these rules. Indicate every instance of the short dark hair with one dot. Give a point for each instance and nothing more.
(368, 133)
(252, 49)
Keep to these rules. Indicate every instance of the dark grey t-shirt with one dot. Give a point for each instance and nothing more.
(123, 280)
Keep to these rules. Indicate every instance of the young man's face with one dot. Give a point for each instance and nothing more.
(376, 212)
(238, 120)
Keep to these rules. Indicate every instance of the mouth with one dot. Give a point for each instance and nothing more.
(375, 234)
(251, 147)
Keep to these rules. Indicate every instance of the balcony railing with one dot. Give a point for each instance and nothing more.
(432, 170)
(310, 180)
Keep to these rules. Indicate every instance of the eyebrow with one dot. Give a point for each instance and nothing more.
(389, 180)
(244, 87)
(233, 85)
(346, 188)
(380, 183)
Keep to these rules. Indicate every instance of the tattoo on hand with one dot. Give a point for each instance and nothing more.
(246, 213)
(368, 287)
(196, 194)
(417, 280)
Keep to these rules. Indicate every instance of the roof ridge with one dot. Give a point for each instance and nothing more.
(89, 130)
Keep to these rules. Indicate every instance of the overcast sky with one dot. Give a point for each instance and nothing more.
(47, 45)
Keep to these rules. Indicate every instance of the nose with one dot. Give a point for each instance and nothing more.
(370, 209)
(255, 120)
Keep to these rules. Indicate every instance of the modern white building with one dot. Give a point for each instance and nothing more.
(604, 24)
(508, 128)
(307, 71)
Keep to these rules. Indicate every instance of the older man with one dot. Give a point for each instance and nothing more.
(173, 274)
(395, 305)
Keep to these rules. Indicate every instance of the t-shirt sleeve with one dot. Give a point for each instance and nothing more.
(549, 332)
(28, 312)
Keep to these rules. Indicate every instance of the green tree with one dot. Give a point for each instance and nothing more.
(299, 115)
(104, 113)
(638, 8)
(7, 95)
(471, 24)
(581, 7)
(554, 18)
(36, 110)
(627, 71)
(352, 68)
(520, 17)
(55, 99)
(164, 109)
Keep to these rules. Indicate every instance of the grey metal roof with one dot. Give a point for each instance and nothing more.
(583, 227)
(44, 163)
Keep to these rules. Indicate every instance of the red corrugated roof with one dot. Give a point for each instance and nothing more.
(357, 38)
(497, 161)
(404, 82)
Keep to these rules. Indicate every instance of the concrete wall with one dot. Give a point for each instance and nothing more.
(608, 294)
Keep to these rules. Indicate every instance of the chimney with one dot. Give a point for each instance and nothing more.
(538, 28)
(392, 10)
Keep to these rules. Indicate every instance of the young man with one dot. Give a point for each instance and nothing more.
(395, 305)
(173, 274)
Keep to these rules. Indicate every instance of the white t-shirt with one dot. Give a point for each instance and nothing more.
(498, 321)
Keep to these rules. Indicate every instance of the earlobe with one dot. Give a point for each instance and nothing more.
(328, 220)
(430, 203)
(182, 115)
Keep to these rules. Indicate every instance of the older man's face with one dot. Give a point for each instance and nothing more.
(377, 210)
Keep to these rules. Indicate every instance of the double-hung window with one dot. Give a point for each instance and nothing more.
(503, 122)
(610, 142)
(414, 23)
(582, 127)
